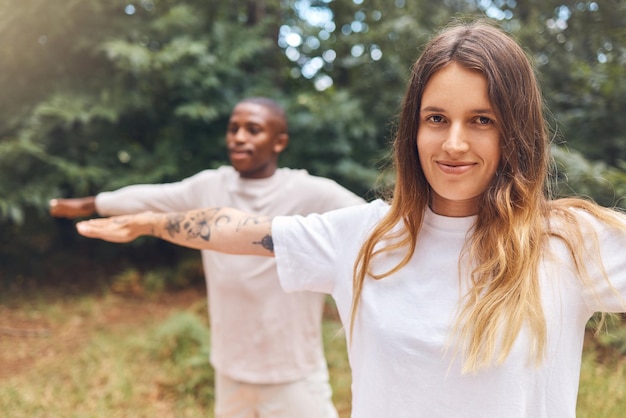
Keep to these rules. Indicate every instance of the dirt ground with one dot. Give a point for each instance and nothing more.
(29, 337)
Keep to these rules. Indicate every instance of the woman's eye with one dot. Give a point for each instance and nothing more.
(435, 118)
(484, 120)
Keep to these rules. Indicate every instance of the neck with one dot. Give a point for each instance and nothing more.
(454, 208)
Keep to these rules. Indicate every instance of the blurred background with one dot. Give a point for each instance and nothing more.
(98, 94)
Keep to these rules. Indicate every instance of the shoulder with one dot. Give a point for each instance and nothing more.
(223, 172)
(584, 215)
(294, 174)
(360, 217)
(375, 209)
(302, 176)
(584, 224)
(326, 192)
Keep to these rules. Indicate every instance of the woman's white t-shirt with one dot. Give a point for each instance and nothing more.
(400, 366)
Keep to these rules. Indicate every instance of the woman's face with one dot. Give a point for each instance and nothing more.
(458, 139)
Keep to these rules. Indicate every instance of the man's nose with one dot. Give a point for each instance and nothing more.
(239, 135)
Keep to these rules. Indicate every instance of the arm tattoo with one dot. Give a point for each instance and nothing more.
(172, 223)
(252, 220)
(266, 242)
(200, 225)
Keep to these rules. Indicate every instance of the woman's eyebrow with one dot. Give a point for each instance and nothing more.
(439, 109)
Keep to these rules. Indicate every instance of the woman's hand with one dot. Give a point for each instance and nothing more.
(124, 228)
(225, 230)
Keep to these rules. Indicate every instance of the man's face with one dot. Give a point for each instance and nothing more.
(254, 138)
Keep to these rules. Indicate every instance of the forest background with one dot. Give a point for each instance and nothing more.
(98, 94)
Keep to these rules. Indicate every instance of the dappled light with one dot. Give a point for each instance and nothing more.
(100, 94)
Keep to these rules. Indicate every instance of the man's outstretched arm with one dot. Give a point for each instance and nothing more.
(225, 230)
(78, 207)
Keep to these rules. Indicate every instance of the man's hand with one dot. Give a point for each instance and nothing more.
(73, 208)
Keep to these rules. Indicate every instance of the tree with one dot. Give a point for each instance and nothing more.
(100, 94)
(580, 51)
(103, 94)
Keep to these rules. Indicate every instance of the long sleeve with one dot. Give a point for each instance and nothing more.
(170, 197)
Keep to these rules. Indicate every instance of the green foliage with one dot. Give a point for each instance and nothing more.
(183, 343)
(586, 78)
(156, 279)
(615, 337)
(137, 98)
(99, 94)
(576, 175)
(333, 138)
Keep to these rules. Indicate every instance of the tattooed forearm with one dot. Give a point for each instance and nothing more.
(226, 230)
(266, 242)
(172, 223)
(200, 224)
(252, 220)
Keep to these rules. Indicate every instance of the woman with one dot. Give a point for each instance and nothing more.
(467, 293)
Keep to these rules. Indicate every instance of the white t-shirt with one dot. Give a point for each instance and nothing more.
(400, 367)
(259, 333)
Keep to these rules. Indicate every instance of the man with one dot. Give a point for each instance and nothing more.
(266, 344)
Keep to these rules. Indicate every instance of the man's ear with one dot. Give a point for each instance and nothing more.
(280, 142)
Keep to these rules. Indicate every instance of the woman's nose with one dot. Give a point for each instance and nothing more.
(456, 141)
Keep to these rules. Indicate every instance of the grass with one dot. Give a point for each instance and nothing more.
(338, 367)
(602, 391)
(90, 367)
(113, 356)
(117, 356)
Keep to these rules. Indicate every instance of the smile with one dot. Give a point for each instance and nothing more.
(238, 154)
(455, 168)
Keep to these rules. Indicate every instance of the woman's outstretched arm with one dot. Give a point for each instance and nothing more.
(225, 230)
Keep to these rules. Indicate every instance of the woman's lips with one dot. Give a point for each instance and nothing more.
(454, 167)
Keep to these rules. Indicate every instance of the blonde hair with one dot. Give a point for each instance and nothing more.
(506, 243)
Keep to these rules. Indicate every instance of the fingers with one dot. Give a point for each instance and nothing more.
(105, 229)
(53, 207)
(60, 209)
(72, 208)
(88, 229)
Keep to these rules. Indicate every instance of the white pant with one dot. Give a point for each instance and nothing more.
(310, 397)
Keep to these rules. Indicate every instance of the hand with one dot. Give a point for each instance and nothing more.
(119, 229)
(73, 208)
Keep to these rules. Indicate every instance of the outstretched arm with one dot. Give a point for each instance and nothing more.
(73, 208)
(225, 230)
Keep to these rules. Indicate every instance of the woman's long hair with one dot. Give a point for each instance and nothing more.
(508, 237)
